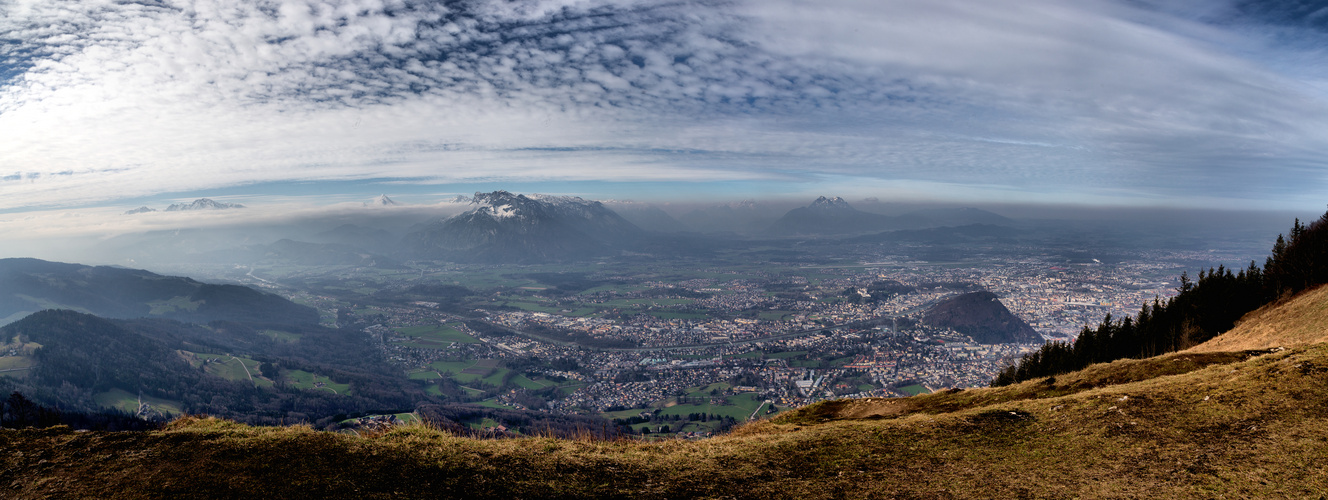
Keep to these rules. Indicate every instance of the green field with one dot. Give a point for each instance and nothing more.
(771, 355)
(42, 303)
(739, 407)
(16, 366)
(435, 336)
(676, 315)
(531, 306)
(228, 367)
(612, 288)
(301, 379)
(16, 362)
(423, 374)
(914, 390)
(705, 391)
(179, 303)
(637, 303)
(496, 379)
(628, 413)
(484, 423)
(465, 372)
(452, 366)
(404, 418)
(571, 387)
(525, 383)
(125, 401)
(281, 336)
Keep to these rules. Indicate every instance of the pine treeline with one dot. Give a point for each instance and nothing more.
(1202, 309)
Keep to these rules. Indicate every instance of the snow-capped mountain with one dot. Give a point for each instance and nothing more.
(506, 227)
(382, 201)
(829, 216)
(199, 204)
(830, 204)
(202, 204)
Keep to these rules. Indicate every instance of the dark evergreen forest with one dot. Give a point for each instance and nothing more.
(1202, 309)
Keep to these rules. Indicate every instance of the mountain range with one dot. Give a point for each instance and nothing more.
(827, 216)
(503, 227)
(30, 285)
(199, 204)
(506, 227)
(835, 216)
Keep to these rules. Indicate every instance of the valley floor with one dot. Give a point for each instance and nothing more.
(1184, 425)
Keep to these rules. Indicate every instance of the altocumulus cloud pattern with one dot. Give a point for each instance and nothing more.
(1104, 100)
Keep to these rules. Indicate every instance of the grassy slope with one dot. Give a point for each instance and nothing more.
(1195, 425)
(1301, 321)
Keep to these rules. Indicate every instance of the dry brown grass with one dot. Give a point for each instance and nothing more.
(1185, 425)
(1251, 428)
(1302, 320)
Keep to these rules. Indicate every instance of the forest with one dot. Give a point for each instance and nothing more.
(1201, 310)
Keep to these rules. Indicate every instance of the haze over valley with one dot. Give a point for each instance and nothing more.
(569, 306)
(588, 248)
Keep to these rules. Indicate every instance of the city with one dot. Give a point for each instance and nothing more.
(753, 339)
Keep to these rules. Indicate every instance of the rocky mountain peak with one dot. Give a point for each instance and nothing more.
(382, 201)
(836, 203)
(202, 204)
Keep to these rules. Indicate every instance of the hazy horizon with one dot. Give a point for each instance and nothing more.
(1187, 105)
(103, 235)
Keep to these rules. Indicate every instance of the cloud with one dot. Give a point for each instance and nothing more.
(1137, 101)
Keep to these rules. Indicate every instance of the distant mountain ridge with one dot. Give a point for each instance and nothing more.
(199, 204)
(825, 216)
(646, 216)
(744, 217)
(29, 285)
(835, 216)
(202, 204)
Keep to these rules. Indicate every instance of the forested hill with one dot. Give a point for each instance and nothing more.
(981, 316)
(1203, 309)
(30, 285)
(84, 363)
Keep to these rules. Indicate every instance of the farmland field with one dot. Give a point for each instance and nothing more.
(301, 379)
(228, 367)
(281, 336)
(914, 390)
(125, 401)
(435, 335)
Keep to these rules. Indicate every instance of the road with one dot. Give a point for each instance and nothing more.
(246, 371)
(758, 409)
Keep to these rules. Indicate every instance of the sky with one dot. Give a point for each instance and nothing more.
(109, 105)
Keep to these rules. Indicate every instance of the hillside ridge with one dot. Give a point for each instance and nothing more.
(1181, 425)
(1264, 328)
